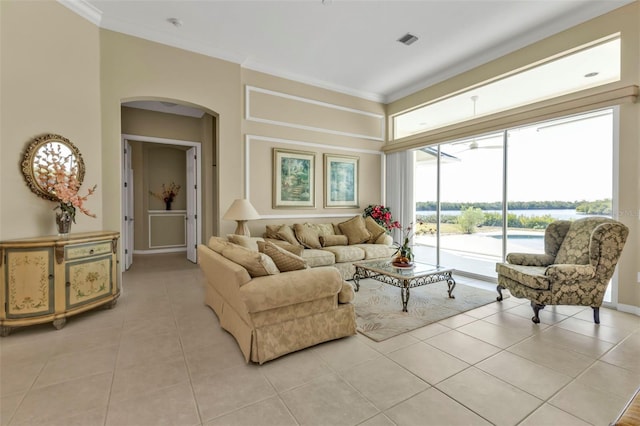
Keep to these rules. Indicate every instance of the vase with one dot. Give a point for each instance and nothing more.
(167, 205)
(63, 220)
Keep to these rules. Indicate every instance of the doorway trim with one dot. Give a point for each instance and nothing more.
(195, 215)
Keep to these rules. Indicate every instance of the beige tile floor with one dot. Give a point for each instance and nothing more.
(160, 358)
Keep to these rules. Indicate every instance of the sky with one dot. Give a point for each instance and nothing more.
(547, 162)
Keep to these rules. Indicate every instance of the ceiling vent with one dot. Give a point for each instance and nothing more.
(408, 39)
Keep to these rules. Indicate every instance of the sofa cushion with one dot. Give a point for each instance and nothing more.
(217, 244)
(295, 249)
(284, 260)
(374, 228)
(286, 233)
(333, 240)
(575, 246)
(376, 251)
(315, 257)
(247, 242)
(257, 264)
(346, 253)
(307, 236)
(530, 276)
(355, 230)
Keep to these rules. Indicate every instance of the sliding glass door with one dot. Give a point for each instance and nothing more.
(561, 169)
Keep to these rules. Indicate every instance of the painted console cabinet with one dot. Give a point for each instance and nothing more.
(48, 279)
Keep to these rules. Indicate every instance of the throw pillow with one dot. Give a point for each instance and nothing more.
(217, 244)
(333, 240)
(374, 228)
(247, 242)
(322, 228)
(336, 229)
(355, 230)
(295, 249)
(256, 264)
(271, 231)
(285, 233)
(307, 236)
(284, 260)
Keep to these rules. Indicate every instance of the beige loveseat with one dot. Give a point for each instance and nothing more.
(334, 244)
(272, 313)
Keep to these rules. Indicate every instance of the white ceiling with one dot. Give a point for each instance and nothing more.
(347, 45)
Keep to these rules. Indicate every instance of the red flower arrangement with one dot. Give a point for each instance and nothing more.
(382, 216)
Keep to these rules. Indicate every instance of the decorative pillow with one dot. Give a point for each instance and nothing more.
(256, 264)
(271, 231)
(247, 242)
(285, 233)
(217, 244)
(322, 228)
(307, 236)
(333, 240)
(374, 228)
(336, 229)
(284, 260)
(295, 249)
(355, 230)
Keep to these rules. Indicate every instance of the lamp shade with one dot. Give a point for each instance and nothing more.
(241, 209)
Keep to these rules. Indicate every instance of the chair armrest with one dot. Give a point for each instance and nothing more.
(290, 288)
(566, 273)
(530, 259)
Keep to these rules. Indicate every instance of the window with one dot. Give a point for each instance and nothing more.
(561, 169)
(588, 66)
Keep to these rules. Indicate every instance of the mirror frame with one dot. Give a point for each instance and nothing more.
(29, 158)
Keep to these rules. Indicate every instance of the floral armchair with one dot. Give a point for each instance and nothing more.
(579, 259)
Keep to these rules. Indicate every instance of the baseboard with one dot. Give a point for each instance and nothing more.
(635, 310)
(158, 251)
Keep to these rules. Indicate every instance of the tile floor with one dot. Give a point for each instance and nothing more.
(160, 358)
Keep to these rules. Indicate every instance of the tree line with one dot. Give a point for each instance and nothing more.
(586, 207)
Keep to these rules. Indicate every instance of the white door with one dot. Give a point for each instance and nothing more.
(127, 205)
(192, 205)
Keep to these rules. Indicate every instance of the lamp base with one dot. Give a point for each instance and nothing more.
(242, 228)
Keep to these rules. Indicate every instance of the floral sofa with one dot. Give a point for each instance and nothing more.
(579, 260)
(334, 244)
(271, 301)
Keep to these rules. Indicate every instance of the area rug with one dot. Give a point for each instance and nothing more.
(379, 313)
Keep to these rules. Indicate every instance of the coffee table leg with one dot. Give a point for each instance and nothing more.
(451, 283)
(405, 296)
(356, 280)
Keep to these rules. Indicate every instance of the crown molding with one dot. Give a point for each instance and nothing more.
(84, 9)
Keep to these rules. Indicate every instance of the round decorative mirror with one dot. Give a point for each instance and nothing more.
(51, 160)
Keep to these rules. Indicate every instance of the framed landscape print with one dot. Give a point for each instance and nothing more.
(293, 179)
(340, 181)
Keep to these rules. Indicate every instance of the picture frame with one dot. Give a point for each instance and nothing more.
(293, 179)
(341, 185)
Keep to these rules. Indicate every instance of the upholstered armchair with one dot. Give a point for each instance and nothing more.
(578, 262)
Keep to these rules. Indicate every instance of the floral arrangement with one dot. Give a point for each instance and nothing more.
(58, 175)
(168, 192)
(404, 251)
(382, 216)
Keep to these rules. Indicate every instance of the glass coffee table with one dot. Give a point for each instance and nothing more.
(417, 275)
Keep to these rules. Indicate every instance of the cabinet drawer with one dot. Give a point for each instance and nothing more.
(78, 251)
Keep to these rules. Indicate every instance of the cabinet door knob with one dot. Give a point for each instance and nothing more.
(50, 276)
(68, 284)
(91, 251)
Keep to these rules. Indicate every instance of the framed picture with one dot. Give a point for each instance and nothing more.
(293, 179)
(340, 181)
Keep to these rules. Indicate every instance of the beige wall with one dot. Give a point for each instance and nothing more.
(625, 20)
(50, 83)
(332, 123)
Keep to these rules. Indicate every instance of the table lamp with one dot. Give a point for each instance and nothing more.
(241, 211)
